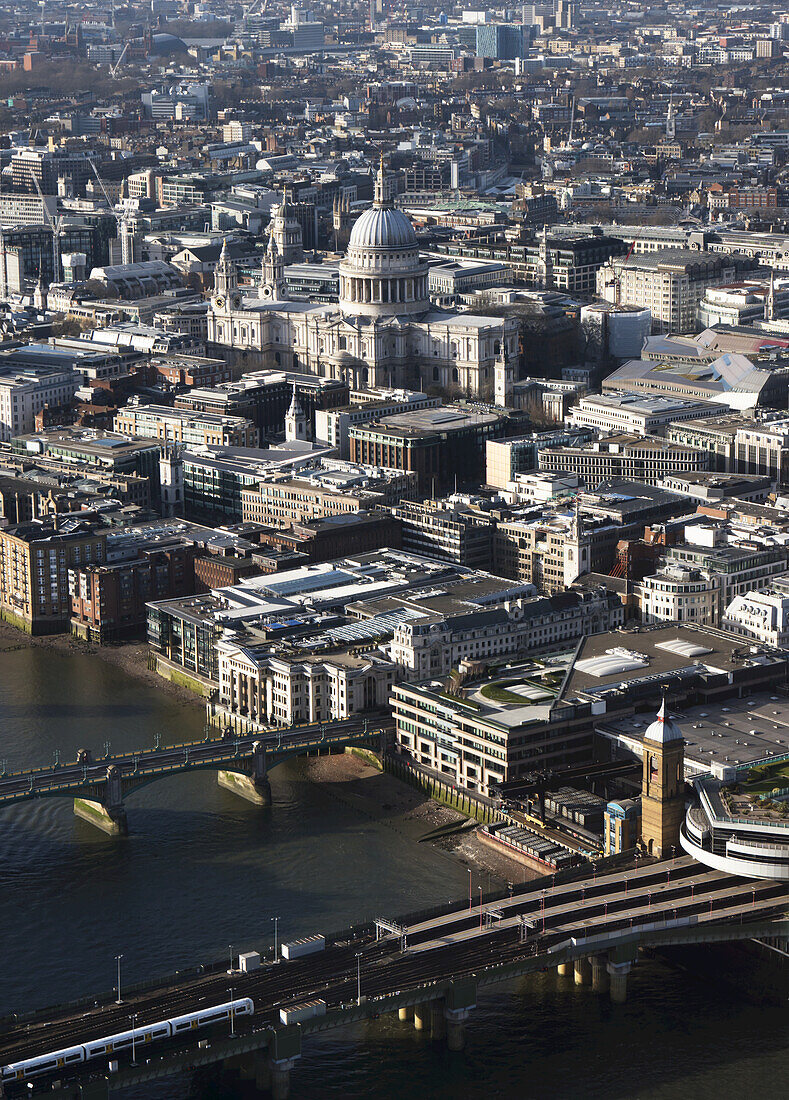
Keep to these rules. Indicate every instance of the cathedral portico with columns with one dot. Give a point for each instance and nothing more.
(382, 332)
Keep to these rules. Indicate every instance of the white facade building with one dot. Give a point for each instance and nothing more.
(763, 616)
(639, 413)
(382, 332)
(678, 595)
(24, 393)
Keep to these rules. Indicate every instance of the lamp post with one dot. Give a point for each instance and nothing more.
(480, 908)
(118, 961)
(133, 1019)
(230, 949)
(358, 977)
(276, 945)
(232, 1014)
(469, 890)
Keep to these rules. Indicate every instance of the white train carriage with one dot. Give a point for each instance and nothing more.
(123, 1040)
(46, 1063)
(207, 1016)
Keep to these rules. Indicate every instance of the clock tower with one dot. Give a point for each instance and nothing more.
(663, 785)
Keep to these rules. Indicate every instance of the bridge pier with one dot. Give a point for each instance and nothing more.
(404, 1012)
(618, 972)
(599, 974)
(254, 788)
(562, 969)
(107, 813)
(280, 1077)
(110, 819)
(422, 1016)
(583, 972)
(456, 1027)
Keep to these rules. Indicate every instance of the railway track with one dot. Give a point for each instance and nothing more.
(448, 946)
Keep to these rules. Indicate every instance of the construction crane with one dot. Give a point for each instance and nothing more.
(616, 277)
(114, 68)
(55, 225)
(122, 219)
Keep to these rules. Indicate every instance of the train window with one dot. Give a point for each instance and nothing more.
(75, 1056)
(160, 1032)
(43, 1065)
(183, 1025)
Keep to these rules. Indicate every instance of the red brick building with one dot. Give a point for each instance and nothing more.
(108, 601)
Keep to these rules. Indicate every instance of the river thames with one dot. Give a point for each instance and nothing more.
(202, 870)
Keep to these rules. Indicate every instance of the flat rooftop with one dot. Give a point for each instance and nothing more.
(727, 735)
(648, 654)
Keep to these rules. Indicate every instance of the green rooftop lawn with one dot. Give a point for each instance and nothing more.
(765, 778)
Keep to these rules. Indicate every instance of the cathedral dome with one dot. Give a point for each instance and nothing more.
(383, 227)
(382, 273)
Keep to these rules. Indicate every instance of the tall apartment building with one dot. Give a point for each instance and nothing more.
(35, 559)
(502, 41)
(182, 426)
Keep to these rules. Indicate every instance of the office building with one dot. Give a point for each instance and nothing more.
(634, 458)
(196, 429)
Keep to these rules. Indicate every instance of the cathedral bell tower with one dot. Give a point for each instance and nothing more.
(272, 286)
(663, 785)
(226, 294)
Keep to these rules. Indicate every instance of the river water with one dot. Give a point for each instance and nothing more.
(202, 870)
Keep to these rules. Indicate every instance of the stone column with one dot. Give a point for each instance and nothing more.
(599, 974)
(280, 1077)
(562, 969)
(403, 1013)
(583, 972)
(618, 973)
(421, 1016)
(456, 1027)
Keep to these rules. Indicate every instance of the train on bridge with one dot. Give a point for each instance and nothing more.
(127, 1040)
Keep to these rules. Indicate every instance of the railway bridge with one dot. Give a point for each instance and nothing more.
(428, 969)
(99, 786)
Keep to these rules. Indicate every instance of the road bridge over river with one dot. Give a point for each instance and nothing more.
(99, 786)
(427, 968)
